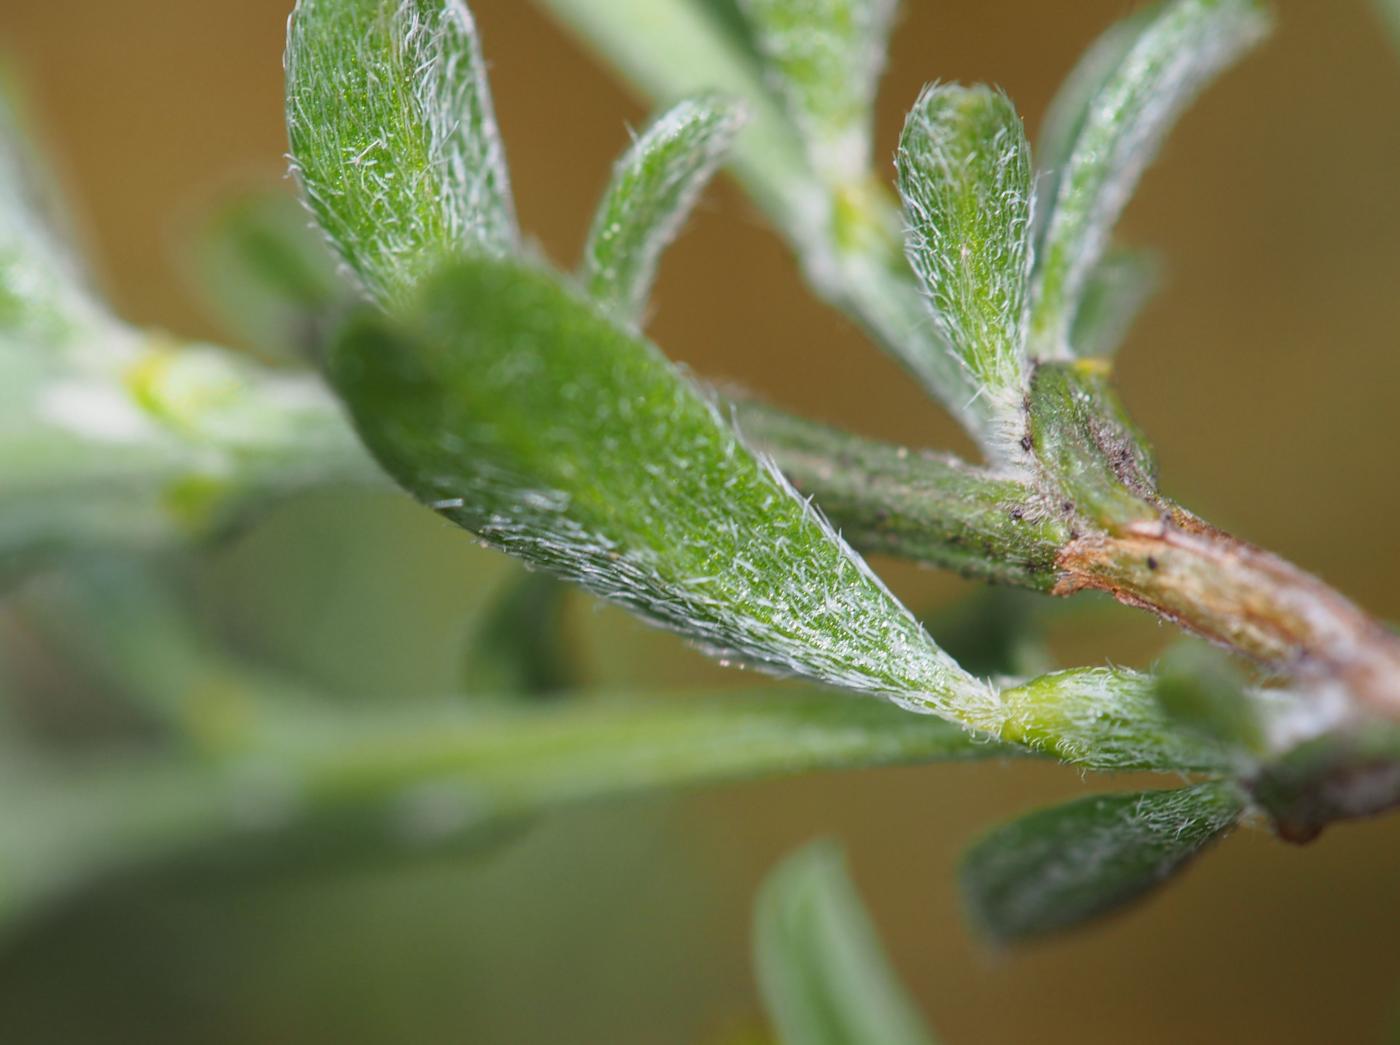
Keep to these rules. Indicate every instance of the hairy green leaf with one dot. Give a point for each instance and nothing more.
(675, 48)
(1073, 103)
(653, 188)
(1059, 867)
(523, 415)
(965, 177)
(393, 136)
(824, 977)
(825, 60)
(1108, 719)
(1114, 294)
(1118, 107)
(847, 240)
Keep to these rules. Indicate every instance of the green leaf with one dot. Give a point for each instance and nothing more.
(517, 650)
(1109, 719)
(965, 177)
(43, 296)
(653, 188)
(1059, 867)
(675, 48)
(847, 240)
(824, 977)
(1114, 294)
(1073, 104)
(825, 60)
(1117, 109)
(319, 782)
(267, 273)
(393, 136)
(525, 416)
(1201, 689)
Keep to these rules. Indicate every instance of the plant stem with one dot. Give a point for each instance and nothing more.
(932, 508)
(937, 510)
(1241, 597)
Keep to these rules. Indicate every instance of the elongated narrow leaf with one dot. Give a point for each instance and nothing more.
(1059, 867)
(654, 186)
(1074, 103)
(522, 414)
(965, 176)
(1114, 294)
(393, 136)
(1117, 114)
(823, 974)
(416, 778)
(825, 59)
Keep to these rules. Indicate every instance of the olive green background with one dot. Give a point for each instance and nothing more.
(1266, 373)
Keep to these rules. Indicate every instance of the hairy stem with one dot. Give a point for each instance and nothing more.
(936, 510)
(930, 507)
(1240, 597)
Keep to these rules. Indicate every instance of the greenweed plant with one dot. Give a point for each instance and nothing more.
(526, 404)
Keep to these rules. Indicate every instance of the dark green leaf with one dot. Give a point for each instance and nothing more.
(1059, 867)
(522, 414)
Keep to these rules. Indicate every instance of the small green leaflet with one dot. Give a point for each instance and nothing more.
(1115, 111)
(825, 58)
(654, 186)
(393, 136)
(965, 177)
(824, 978)
(524, 415)
(1053, 869)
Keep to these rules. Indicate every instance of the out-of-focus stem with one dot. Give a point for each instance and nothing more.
(1240, 597)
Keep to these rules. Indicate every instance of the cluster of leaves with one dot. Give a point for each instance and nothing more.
(525, 404)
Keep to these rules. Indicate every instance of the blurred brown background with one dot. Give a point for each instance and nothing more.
(1267, 374)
